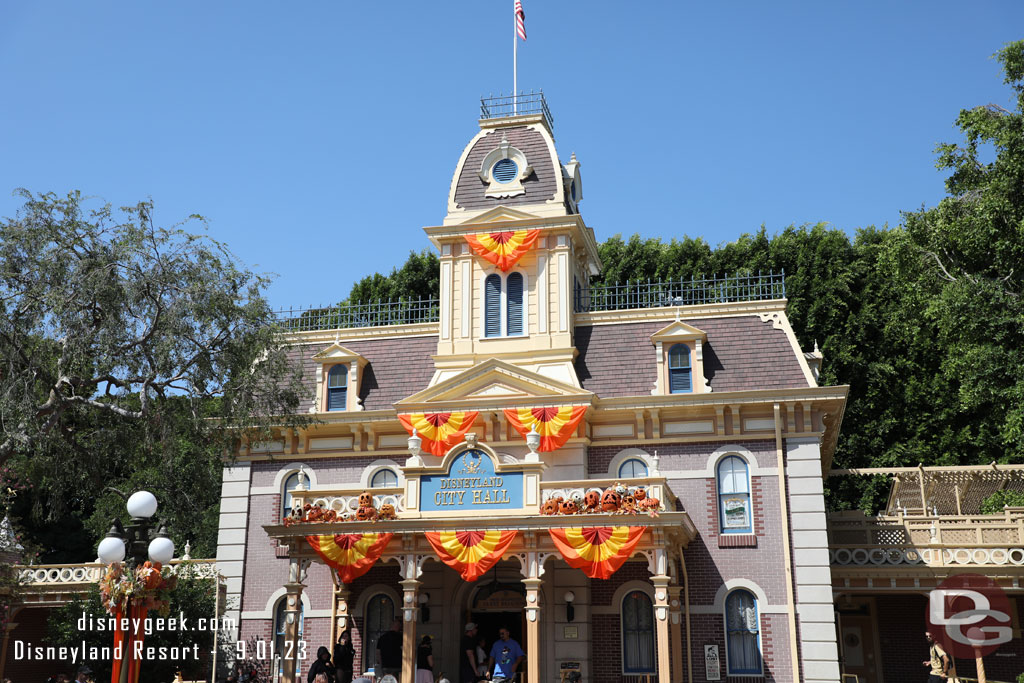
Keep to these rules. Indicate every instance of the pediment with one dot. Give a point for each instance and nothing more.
(336, 353)
(679, 331)
(494, 384)
(499, 214)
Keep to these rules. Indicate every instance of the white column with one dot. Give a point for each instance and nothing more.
(231, 535)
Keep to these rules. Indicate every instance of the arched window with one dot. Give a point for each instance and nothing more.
(514, 304)
(679, 381)
(634, 467)
(280, 613)
(337, 388)
(492, 305)
(637, 633)
(380, 612)
(734, 495)
(384, 478)
(743, 641)
(290, 482)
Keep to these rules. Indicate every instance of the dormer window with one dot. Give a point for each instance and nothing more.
(504, 305)
(680, 360)
(337, 388)
(504, 169)
(337, 379)
(679, 368)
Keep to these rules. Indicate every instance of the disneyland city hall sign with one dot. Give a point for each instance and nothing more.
(472, 483)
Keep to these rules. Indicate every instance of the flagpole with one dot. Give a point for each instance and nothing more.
(515, 57)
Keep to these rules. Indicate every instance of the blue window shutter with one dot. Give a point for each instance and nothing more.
(514, 292)
(679, 381)
(337, 388)
(492, 306)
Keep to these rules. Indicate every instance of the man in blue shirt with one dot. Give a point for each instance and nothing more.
(506, 655)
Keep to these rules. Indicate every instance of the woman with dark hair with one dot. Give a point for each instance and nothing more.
(344, 653)
(322, 665)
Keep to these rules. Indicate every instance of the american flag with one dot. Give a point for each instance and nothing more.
(520, 20)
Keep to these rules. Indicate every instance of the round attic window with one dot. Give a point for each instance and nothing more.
(505, 171)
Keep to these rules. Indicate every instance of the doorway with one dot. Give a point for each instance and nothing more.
(857, 640)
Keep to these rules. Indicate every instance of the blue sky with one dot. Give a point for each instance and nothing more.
(319, 137)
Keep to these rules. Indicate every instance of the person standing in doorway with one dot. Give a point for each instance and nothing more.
(939, 663)
(389, 651)
(506, 655)
(469, 671)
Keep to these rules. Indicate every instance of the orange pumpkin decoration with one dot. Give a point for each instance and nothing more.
(629, 503)
(366, 499)
(387, 511)
(650, 505)
(567, 507)
(610, 500)
(591, 501)
(366, 513)
(640, 494)
(550, 507)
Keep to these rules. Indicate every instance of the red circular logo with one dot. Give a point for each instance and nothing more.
(969, 615)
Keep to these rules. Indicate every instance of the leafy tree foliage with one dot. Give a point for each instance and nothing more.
(132, 355)
(418, 278)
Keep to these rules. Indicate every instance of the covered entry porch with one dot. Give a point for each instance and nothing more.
(526, 589)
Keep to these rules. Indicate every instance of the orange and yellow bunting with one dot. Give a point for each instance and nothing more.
(351, 555)
(598, 551)
(470, 553)
(503, 249)
(439, 431)
(555, 425)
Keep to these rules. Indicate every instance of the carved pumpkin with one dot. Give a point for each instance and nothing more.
(550, 507)
(629, 503)
(640, 493)
(366, 499)
(610, 500)
(387, 511)
(366, 512)
(591, 501)
(568, 507)
(331, 516)
(650, 505)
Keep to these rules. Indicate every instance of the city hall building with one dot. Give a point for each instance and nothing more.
(627, 478)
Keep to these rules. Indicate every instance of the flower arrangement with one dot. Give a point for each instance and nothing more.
(150, 586)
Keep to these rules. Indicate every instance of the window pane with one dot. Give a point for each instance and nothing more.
(514, 295)
(633, 468)
(380, 611)
(337, 377)
(679, 356)
(732, 476)
(637, 633)
(679, 381)
(384, 479)
(286, 498)
(492, 306)
(279, 624)
(337, 399)
(741, 623)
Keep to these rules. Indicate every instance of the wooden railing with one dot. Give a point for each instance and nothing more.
(931, 540)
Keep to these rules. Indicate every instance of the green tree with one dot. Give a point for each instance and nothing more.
(132, 355)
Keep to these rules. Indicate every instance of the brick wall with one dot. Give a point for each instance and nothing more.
(680, 456)
(329, 471)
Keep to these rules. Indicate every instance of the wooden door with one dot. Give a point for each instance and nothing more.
(857, 638)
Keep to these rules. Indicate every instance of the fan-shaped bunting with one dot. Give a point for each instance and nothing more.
(598, 551)
(439, 431)
(555, 425)
(471, 553)
(351, 555)
(503, 249)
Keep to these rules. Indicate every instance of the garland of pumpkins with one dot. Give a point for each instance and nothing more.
(616, 499)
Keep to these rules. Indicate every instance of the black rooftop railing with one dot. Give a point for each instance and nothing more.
(377, 314)
(503, 106)
(682, 292)
(640, 294)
